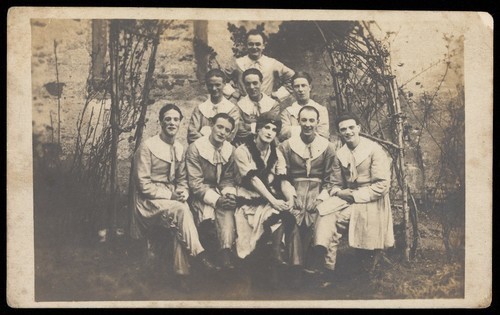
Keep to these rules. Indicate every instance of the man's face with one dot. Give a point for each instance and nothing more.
(221, 130)
(252, 86)
(267, 133)
(255, 46)
(308, 121)
(301, 89)
(215, 86)
(170, 122)
(349, 131)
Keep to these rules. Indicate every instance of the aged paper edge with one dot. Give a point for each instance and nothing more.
(479, 134)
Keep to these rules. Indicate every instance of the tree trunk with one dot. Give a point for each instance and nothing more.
(201, 55)
(99, 51)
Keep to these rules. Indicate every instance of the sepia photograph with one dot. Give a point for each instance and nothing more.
(249, 158)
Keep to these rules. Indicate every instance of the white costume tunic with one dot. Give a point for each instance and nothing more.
(367, 171)
(158, 170)
(309, 169)
(210, 175)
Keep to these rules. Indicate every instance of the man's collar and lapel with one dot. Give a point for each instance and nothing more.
(318, 146)
(295, 107)
(206, 108)
(247, 105)
(360, 153)
(207, 150)
(162, 150)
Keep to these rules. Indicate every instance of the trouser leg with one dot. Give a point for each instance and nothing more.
(294, 246)
(276, 238)
(341, 223)
(180, 217)
(225, 225)
(324, 229)
(306, 235)
(181, 258)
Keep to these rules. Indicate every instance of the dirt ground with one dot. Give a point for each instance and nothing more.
(71, 265)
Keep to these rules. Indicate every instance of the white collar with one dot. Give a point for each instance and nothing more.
(247, 105)
(295, 107)
(360, 153)
(206, 108)
(245, 62)
(207, 150)
(162, 150)
(318, 146)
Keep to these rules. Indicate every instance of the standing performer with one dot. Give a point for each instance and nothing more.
(200, 125)
(210, 168)
(261, 169)
(362, 177)
(301, 83)
(309, 160)
(161, 191)
(269, 67)
(253, 105)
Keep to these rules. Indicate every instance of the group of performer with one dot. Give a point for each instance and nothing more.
(253, 172)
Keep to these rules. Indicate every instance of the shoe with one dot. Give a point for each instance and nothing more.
(316, 263)
(328, 280)
(206, 263)
(278, 258)
(226, 261)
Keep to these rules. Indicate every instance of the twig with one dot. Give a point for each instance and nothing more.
(388, 143)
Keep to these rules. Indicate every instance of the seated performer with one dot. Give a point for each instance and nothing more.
(210, 169)
(199, 124)
(161, 191)
(301, 84)
(362, 178)
(309, 160)
(270, 68)
(253, 105)
(261, 205)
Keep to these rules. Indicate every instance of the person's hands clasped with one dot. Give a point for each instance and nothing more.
(175, 196)
(297, 203)
(226, 202)
(281, 205)
(345, 194)
(183, 195)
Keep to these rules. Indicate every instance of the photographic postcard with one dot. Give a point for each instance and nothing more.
(62, 250)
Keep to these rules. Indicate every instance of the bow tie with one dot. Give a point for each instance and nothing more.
(218, 160)
(308, 159)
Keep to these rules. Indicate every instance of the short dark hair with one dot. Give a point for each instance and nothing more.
(223, 116)
(346, 116)
(302, 74)
(310, 108)
(257, 32)
(166, 108)
(215, 73)
(252, 71)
